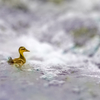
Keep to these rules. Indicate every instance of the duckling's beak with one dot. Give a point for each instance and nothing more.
(27, 50)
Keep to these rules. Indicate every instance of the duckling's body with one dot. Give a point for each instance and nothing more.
(18, 62)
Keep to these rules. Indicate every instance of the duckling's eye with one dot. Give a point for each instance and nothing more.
(22, 49)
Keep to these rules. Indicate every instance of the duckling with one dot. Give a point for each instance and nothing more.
(19, 62)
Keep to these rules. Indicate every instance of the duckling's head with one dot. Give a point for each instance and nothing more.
(23, 49)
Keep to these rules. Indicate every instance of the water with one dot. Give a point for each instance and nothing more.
(56, 68)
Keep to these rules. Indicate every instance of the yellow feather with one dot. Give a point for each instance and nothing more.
(19, 62)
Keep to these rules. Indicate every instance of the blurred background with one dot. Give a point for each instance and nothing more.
(63, 37)
(65, 24)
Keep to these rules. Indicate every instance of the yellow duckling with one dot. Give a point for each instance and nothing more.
(18, 62)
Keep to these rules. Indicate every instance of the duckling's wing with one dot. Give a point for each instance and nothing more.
(19, 61)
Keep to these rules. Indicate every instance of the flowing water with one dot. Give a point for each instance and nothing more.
(56, 68)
